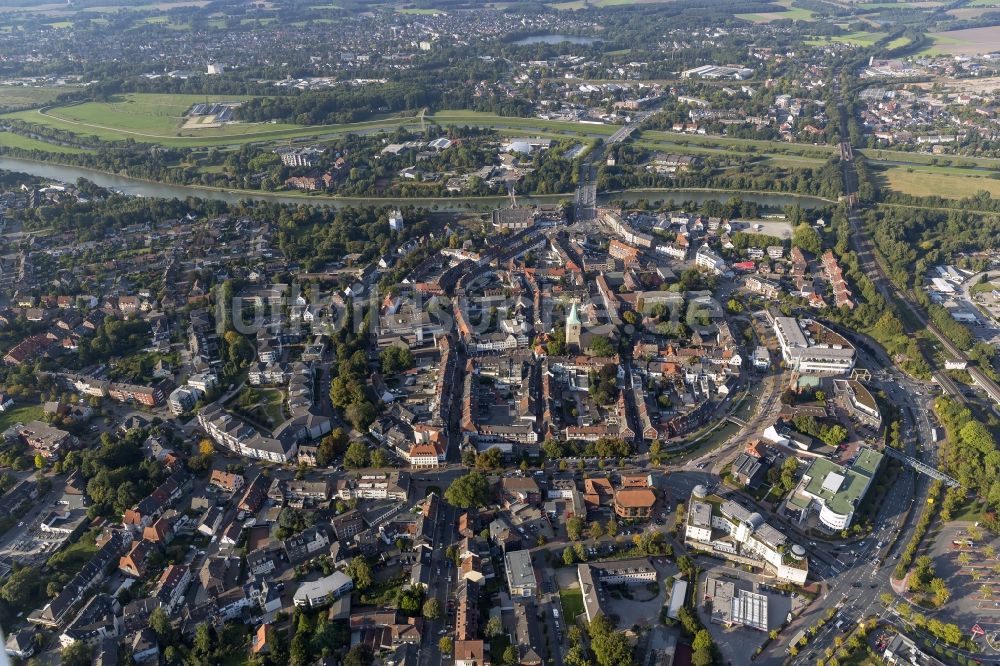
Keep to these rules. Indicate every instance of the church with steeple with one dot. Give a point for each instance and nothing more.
(573, 327)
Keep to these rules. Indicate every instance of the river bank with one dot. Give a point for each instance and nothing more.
(148, 188)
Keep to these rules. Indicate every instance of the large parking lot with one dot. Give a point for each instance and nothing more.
(969, 560)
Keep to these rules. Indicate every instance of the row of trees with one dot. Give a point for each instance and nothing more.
(926, 516)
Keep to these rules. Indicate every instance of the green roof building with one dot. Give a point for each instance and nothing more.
(836, 491)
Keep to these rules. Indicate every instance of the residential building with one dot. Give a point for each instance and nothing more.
(228, 482)
(707, 259)
(520, 574)
(347, 524)
(317, 593)
(762, 286)
(97, 620)
(858, 401)
(47, 440)
(471, 653)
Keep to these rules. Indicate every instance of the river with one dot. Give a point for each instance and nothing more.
(70, 174)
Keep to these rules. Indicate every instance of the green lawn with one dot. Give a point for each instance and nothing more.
(972, 511)
(941, 181)
(272, 406)
(788, 161)
(71, 559)
(19, 97)
(983, 287)
(157, 118)
(20, 414)
(805, 150)
(11, 140)
(572, 603)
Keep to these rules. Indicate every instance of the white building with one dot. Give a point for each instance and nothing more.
(239, 437)
(809, 347)
(396, 220)
(707, 259)
(313, 594)
(731, 531)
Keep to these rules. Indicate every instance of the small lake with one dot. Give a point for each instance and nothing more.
(555, 39)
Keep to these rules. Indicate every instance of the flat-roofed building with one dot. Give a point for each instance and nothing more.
(833, 491)
(314, 594)
(859, 401)
(809, 347)
(739, 535)
(520, 574)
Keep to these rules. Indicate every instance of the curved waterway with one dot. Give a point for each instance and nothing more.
(144, 188)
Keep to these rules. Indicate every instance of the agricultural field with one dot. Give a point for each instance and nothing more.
(863, 38)
(920, 181)
(791, 13)
(583, 4)
(154, 6)
(970, 12)
(908, 4)
(964, 42)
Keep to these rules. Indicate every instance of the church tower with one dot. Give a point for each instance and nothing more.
(573, 329)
